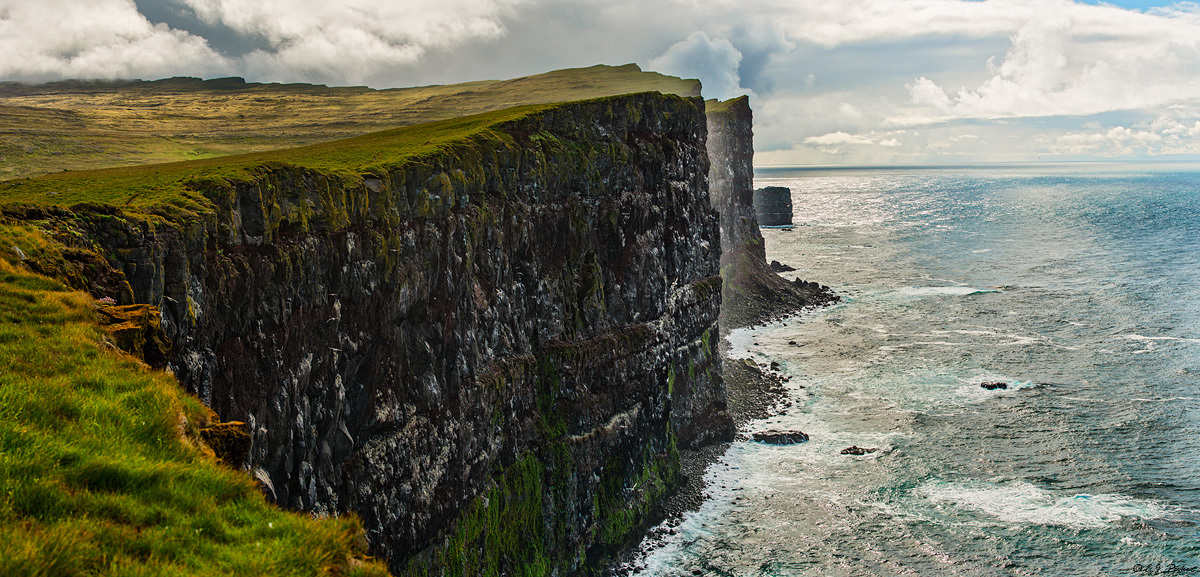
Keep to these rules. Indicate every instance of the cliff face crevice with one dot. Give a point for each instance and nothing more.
(507, 337)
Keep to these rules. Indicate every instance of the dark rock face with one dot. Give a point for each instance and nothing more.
(774, 437)
(777, 266)
(752, 291)
(499, 344)
(773, 206)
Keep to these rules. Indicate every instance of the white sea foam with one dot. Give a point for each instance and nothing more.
(1021, 502)
(933, 291)
(1166, 400)
(1136, 337)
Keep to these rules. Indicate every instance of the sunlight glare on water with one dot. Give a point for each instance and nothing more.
(1077, 290)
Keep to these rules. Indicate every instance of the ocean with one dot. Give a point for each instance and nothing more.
(1077, 286)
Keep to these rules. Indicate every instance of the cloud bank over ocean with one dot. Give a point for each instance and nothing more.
(857, 81)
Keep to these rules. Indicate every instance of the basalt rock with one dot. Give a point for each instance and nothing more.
(491, 353)
(229, 441)
(774, 437)
(752, 292)
(773, 206)
(993, 385)
(137, 330)
(858, 451)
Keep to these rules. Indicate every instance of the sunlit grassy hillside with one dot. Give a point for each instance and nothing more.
(174, 186)
(84, 125)
(101, 468)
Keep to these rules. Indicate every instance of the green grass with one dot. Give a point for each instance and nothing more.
(81, 125)
(176, 184)
(100, 469)
(723, 107)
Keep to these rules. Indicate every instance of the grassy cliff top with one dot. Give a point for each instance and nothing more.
(77, 125)
(139, 187)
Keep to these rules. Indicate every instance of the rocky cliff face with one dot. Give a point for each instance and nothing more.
(751, 290)
(491, 354)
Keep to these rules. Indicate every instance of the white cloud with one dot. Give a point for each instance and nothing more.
(838, 138)
(1178, 132)
(50, 39)
(849, 111)
(1076, 60)
(833, 141)
(713, 60)
(349, 40)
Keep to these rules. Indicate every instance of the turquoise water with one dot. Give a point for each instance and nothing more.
(1078, 287)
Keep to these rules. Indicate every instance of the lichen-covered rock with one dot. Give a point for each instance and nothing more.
(490, 353)
(229, 441)
(137, 330)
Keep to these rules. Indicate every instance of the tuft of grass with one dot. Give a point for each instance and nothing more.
(100, 469)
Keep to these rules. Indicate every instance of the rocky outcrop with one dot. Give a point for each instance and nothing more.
(773, 205)
(491, 353)
(751, 291)
(773, 437)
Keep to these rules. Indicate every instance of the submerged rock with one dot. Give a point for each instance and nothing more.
(993, 385)
(774, 437)
(857, 450)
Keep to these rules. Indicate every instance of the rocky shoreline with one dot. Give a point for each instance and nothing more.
(754, 392)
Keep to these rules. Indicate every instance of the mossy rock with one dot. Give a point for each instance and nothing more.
(229, 441)
(137, 330)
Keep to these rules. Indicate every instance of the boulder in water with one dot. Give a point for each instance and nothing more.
(857, 450)
(993, 385)
(774, 437)
(773, 206)
(780, 267)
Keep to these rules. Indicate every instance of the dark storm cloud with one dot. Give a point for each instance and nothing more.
(223, 39)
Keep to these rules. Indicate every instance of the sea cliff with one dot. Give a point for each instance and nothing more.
(490, 351)
(751, 291)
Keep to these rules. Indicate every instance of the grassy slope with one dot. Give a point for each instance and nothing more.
(83, 125)
(99, 474)
(143, 187)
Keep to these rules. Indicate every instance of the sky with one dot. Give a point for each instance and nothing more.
(832, 82)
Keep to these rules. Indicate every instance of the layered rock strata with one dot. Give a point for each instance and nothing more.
(491, 353)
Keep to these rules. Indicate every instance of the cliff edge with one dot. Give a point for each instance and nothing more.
(487, 337)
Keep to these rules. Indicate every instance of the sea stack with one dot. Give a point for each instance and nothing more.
(773, 205)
